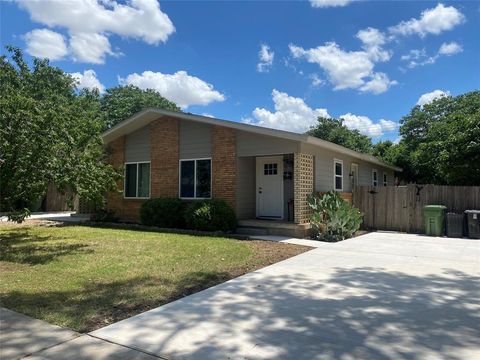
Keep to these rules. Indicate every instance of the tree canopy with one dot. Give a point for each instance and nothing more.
(335, 131)
(442, 140)
(48, 133)
(121, 102)
(51, 133)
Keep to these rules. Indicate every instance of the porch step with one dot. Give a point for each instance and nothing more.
(272, 227)
(243, 230)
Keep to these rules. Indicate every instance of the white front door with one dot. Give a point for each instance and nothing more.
(270, 187)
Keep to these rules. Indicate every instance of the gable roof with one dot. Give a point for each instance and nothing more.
(147, 115)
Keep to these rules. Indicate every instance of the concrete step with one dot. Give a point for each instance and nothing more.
(243, 230)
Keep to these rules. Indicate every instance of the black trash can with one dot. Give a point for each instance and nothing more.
(473, 223)
(455, 225)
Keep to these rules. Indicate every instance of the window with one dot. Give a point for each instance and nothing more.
(195, 178)
(385, 183)
(270, 169)
(338, 174)
(137, 180)
(374, 177)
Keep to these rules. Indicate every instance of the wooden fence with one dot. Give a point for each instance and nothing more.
(400, 208)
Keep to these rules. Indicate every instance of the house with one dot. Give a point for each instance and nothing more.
(264, 174)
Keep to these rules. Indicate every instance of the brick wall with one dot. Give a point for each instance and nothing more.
(164, 157)
(224, 164)
(303, 186)
(125, 209)
(163, 168)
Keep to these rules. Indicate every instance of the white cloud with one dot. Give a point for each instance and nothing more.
(329, 3)
(388, 125)
(450, 48)
(363, 124)
(90, 48)
(373, 40)
(419, 57)
(181, 88)
(427, 98)
(431, 21)
(44, 43)
(291, 114)
(265, 56)
(138, 19)
(346, 69)
(378, 84)
(88, 80)
(316, 80)
(366, 126)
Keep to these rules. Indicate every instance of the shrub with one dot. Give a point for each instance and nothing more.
(103, 215)
(333, 218)
(210, 215)
(163, 212)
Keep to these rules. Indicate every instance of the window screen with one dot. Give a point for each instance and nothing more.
(187, 179)
(338, 175)
(144, 180)
(131, 180)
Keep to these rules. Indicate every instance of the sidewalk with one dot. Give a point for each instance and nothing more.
(22, 337)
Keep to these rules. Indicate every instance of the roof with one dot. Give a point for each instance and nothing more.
(147, 115)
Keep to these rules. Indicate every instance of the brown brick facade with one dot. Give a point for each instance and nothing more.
(303, 186)
(125, 209)
(164, 157)
(224, 164)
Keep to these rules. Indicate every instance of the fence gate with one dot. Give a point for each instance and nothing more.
(400, 208)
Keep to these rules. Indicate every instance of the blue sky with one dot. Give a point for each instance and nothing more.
(275, 64)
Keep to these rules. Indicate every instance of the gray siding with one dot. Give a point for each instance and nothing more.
(324, 160)
(250, 144)
(195, 140)
(137, 145)
(246, 195)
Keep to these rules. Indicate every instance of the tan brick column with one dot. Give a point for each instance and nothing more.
(303, 186)
(224, 164)
(164, 157)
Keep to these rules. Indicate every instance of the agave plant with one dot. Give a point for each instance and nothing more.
(333, 218)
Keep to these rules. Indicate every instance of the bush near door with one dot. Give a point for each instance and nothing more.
(333, 218)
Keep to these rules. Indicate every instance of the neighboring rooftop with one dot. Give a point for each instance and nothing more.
(147, 115)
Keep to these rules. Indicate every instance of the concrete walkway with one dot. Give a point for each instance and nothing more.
(22, 337)
(62, 216)
(377, 296)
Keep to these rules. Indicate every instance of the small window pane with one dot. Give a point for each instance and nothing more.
(131, 180)
(338, 169)
(144, 180)
(203, 178)
(187, 179)
(338, 183)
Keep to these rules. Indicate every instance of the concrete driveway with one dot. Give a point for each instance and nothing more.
(378, 296)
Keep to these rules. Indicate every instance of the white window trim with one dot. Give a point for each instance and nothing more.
(335, 162)
(136, 190)
(385, 182)
(355, 177)
(374, 171)
(194, 179)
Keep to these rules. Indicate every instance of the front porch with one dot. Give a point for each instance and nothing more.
(272, 194)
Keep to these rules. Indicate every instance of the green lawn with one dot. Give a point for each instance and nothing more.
(85, 277)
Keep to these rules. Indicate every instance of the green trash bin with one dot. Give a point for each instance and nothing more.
(434, 216)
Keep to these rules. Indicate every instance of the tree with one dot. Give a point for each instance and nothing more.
(335, 131)
(48, 133)
(442, 140)
(121, 102)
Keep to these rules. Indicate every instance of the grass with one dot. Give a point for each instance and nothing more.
(85, 278)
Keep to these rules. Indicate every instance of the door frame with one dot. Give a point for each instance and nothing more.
(278, 158)
(355, 177)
